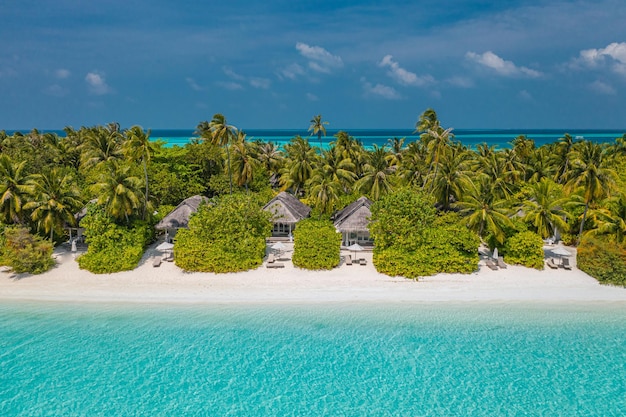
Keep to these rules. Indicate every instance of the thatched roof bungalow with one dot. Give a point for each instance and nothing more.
(352, 222)
(286, 211)
(179, 217)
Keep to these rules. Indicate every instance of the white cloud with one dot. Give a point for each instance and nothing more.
(230, 85)
(292, 71)
(613, 54)
(320, 60)
(193, 84)
(525, 95)
(312, 97)
(55, 90)
(602, 88)
(62, 73)
(263, 83)
(232, 74)
(97, 83)
(380, 90)
(500, 66)
(403, 76)
(462, 82)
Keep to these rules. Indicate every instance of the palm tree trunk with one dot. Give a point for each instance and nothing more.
(230, 172)
(51, 234)
(145, 206)
(582, 224)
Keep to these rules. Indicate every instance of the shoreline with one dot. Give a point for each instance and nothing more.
(168, 284)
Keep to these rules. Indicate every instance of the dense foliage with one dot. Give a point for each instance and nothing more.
(316, 245)
(112, 247)
(604, 261)
(412, 241)
(227, 235)
(26, 253)
(526, 249)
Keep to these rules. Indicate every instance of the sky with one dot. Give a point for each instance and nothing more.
(274, 64)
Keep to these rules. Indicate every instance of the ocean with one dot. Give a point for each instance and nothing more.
(370, 137)
(439, 359)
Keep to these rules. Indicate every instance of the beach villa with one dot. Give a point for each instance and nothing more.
(286, 211)
(352, 222)
(179, 217)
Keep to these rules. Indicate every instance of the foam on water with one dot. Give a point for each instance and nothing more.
(317, 359)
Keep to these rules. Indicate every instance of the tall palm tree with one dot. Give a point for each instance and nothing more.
(55, 199)
(397, 149)
(413, 169)
(339, 168)
(564, 148)
(268, 155)
(453, 177)
(543, 207)
(317, 128)
(591, 173)
(244, 162)
(138, 147)
(377, 173)
(427, 121)
(301, 161)
(324, 190)
(220, 133)
(14, 189)
(102, 145)
(119, 191)
(437, 142)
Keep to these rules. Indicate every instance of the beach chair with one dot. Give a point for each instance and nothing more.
(552, 264)
(276, 265)
(348, 259)
(566, 263)
(270, 258)
(362, 261)
(501, 263)
(156, 262)
(491, 264)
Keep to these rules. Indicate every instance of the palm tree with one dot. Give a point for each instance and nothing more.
(484, 210)
(139, 148)
(268, 155)
(301, 161)
(376, 179)
(14, 189)
(318, 128)
(611, 218)
(119, 191)
(427, 121)
(412, 170)
(590, 172)
(437, 142)
(244, 162)
(543, 207)
(102, 145)
(340, 169)
(324, 190)
(564, 147)
(453, 178)
(56, 197)
(397, 149)
(220, 133)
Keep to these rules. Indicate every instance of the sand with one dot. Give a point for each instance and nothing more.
(347, 283)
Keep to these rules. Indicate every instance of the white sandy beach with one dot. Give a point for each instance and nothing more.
(355, 283)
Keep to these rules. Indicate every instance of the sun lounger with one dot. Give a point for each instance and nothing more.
(566, 263)
(275, 265)
(552, 264)
(270, 258)
(168, 258)
(491, 264)
(156, 261)
(348, 259)
(362, 261)
(501, 263)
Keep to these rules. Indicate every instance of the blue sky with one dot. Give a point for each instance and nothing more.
(275, 64)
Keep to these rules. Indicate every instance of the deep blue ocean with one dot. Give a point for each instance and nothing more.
(441, 359)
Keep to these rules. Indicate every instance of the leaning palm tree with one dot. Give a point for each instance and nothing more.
(14, 189)
(138, 147)
(544, 207)
(590, 173)
(55, 199)
(119, 191)
(317, 128)
(220, 133)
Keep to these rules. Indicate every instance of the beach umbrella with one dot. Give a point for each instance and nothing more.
(165, 246)
(355, 247)
(73, 245)
(279, 247)
(495, 254)
(560, 251)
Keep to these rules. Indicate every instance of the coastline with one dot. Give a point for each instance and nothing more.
(345, 284)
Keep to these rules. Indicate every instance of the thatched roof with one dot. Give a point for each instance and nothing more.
(353, 217)
(179, 217)
(286, 208)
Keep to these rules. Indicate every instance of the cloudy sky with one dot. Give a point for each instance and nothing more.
(275, 64)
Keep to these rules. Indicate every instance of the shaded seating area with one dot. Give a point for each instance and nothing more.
(552, 264)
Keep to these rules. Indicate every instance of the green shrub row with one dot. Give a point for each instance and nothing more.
(412, 241)
(25, 252)
(227, 235)
(112, 247)
(604, 261)
(316, 245)
(526, 249)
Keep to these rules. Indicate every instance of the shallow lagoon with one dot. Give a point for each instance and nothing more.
(314, 359)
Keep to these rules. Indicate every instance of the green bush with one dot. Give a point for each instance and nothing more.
(25, 252)
(604, 261)
(526, 249)
(316, 245)
(227, 235)
(112, 247)
(422, 243)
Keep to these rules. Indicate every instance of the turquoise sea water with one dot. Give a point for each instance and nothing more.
(318, 359)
